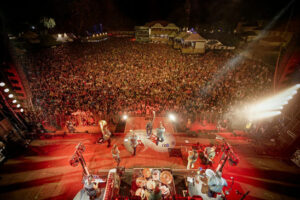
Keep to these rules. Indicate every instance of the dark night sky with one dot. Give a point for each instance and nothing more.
(122, 13)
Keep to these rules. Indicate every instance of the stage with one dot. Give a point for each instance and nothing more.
(44, 172)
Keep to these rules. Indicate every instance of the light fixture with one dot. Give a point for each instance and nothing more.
(22, 110)
(2, 84)
(18, 105)
(10, 96)
(271, 106)
(125, 117)
(172, 117)
(6, 90)
(14, 101)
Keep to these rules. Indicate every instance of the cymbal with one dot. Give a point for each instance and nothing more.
(166, 177)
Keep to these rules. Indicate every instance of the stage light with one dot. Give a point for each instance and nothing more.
(6, 90)
(172, 117)
(18, 105)
(14, 101)
(2, 84)
(266, 115)
(22, 110)
(270, 106)
(125, 117)
(10, 96)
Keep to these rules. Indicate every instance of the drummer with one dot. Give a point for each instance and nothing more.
(90, 187)
(155, 194)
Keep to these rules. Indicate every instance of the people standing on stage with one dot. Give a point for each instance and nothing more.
(155, 194)
(90, 187)
(106, 134)
(208, 155)
(215, 184)
(116, 154)
(160, 133)
(70, 127)
(133, 142)
(192, 158)
(149, 126)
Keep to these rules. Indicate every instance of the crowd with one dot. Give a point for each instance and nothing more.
(95, 81)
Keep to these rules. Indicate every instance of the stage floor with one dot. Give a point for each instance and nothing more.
(44, 172)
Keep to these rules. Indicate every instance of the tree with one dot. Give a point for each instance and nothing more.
(48, 23)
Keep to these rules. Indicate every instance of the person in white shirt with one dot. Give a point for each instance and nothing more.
(216, 184)
(133, 142)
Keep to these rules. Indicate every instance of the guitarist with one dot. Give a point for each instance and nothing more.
(208, 155)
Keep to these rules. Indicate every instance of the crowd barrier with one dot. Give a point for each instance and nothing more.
(60, 120)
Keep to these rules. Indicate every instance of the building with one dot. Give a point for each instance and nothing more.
(142, 34)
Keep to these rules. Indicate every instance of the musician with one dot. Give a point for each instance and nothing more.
(133, 142)
(216, 184)
(155, 194)
(160, 133)
(116, 154)
(106, 134)
(149, 126)
(90, 187)
(70, 127)
(192, 158)
(208, 155)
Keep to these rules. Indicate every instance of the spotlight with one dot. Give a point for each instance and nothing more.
(272, 105)
(18, 105)
(14, 101)
(6, 90)
(2, 84)
(22, 110)
(125, 117)
(10, 96)
(172, 117)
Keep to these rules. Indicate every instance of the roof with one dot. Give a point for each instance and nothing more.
(173, 34)
(171, 25)
(181, 35)
(30, 35)
(193, 37)
(157, 25)
(163, 23)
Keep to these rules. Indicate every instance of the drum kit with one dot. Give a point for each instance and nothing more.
(150, 180)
